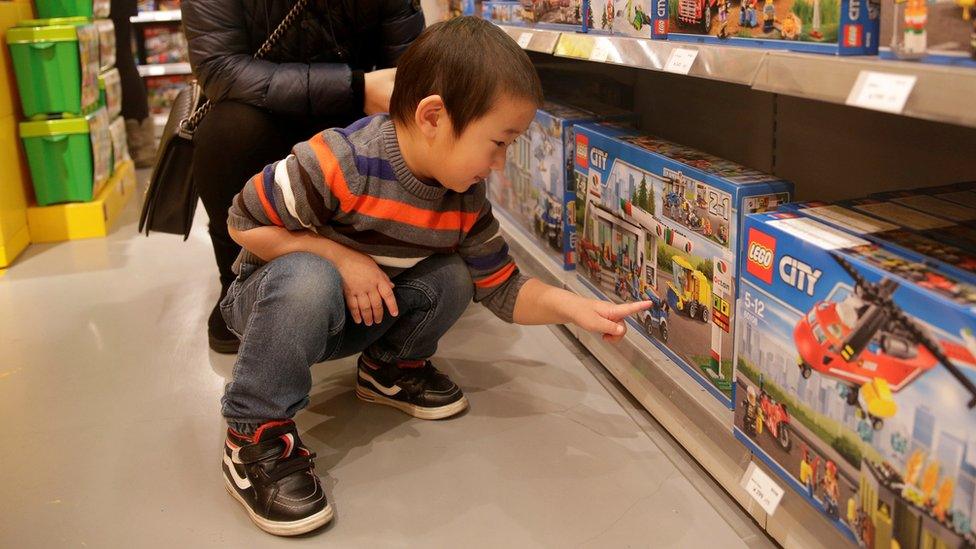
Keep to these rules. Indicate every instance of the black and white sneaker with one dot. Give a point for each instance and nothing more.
(273, 476)
(421, 391)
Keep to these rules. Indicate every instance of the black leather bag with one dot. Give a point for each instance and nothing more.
(171, 197)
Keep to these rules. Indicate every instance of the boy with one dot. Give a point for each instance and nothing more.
(373, 239)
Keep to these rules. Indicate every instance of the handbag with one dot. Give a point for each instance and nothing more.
(171, 197)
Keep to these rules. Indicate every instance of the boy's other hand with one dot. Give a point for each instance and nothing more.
(377, 89)
(605, 317)
(366, 288)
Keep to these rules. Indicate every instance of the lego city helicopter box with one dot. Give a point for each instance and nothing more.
(930, 31)
(840, 27)
(536, 190)
(857, 385)
(638, 18)
(916, 246)
(658, 221)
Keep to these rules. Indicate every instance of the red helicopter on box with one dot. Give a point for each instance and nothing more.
(867, 342)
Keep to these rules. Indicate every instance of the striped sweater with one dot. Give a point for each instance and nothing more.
(352, 186)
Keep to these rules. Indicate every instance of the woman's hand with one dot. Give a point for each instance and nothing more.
(378, 89)
(365, 287)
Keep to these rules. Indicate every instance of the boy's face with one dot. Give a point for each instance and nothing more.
(461, 161)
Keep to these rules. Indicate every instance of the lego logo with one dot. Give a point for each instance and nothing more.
(582, 146)
(852, 36)
(760, 255)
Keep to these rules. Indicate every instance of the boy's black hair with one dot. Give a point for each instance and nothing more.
(469, 62)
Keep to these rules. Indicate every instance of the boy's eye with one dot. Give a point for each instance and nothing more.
(499, 143)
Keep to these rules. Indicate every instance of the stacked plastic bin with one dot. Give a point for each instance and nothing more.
(70, 93)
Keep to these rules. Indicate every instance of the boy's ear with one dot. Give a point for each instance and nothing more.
(430, 115)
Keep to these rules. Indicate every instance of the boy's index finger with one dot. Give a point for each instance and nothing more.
(624, 310)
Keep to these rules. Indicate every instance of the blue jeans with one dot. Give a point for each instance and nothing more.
(291, 313)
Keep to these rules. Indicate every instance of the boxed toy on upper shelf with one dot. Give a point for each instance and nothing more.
(928, 223)
(855, 384)
(659, 221)
(556, 14)
(900, 239)
(842, 27)
(502, 12)
(640, 18)
(931, 31)
(164, 44)
(536, 188)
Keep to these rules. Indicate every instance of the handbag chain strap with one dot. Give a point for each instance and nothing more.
(189, 124)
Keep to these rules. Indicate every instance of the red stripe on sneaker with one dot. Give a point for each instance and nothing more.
(269, 425)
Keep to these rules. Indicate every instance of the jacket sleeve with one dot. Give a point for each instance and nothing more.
(224, 65)
(402, 23)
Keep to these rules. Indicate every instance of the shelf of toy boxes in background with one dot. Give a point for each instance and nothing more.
(941, 93)
(157, 16)
(698, 421)
(164, 69)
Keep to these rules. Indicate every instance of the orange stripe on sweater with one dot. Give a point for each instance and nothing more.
(383, 208)
(499, 277)
(268, 210)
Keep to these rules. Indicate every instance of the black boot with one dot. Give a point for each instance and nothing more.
(221, 339)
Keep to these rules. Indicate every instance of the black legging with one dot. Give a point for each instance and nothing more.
(135, 104)
(232, 143)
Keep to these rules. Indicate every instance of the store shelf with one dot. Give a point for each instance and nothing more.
(696, 420)
(538, 40)
(724, 63)
(555, 274)
(157, 17)
(164, 69)
(941, 93)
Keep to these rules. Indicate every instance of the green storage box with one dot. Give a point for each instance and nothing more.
(68, 158)
(72, 8)
(56, 63)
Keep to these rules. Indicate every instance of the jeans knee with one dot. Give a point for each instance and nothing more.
(305, 285)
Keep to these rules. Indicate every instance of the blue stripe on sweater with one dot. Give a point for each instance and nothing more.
(355, 126)
(268, 177)
(487, 262)
(374, 167)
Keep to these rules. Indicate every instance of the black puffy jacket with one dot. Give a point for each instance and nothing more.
(317, 67)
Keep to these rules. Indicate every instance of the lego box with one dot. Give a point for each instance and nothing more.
(560, 14)
(842, 27)
(940, 32)
(639, 18)
(658, 221)
(932, 222)
(856, 385)
(537, 189)
(918, 247)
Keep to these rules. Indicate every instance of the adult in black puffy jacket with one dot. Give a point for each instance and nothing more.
(333, 66)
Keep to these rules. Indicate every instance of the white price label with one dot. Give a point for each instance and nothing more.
(882, 91)
(601, 50)
(762, 488)
(155, 70)
(524, 39)
(681, 60)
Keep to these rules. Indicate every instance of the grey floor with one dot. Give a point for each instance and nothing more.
(112, 432)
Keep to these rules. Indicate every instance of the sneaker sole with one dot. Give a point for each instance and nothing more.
(279, 528)
(419, 412)
(224, 346)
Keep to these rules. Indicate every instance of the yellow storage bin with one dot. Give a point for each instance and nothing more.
(14, 235)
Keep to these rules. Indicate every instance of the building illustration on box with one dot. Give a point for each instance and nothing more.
(856, 385)
(658, 222)
(640, 18)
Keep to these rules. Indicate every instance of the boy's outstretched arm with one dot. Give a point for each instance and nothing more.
(540, 303)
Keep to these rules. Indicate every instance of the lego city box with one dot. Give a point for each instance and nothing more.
(536, 189)
(941, 32)
(637, 18)
(840, 27)
(931, 221)
(556, 14)
(658, 221)
(917, 246)
(855, 384)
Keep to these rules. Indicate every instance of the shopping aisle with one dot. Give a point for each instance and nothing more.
(109, 399)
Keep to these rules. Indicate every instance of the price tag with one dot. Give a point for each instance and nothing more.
(762, 488)
(601, 50)
(524, 39)
(881, 91)
(155, 70)
(681, 60)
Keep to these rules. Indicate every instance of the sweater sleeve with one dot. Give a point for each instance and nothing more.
(496, 277)
(298, 192)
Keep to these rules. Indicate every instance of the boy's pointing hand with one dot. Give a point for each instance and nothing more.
(607, 318)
